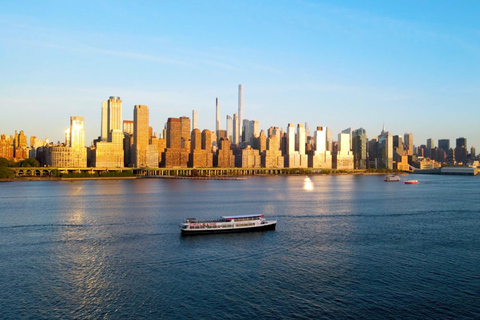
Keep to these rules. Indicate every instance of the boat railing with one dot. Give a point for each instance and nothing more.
(191, 220)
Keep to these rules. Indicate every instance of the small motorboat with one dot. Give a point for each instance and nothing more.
(411, 182)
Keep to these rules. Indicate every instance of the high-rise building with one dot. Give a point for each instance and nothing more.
(77, 133)
(408, 139)
(229, 128)
(236, 128)
(461, 152)
(115, 133)
(359, 148)
(194, 120)
(174, 133)
(74, 153)
(385, 150)
(343, 158)
(301, 138)
(104, 124)
(320, 156)
(291, 138)
(109, 151)
(217, 122)
(240, 110)
(444, 144)
(140, 135)
(185, 132)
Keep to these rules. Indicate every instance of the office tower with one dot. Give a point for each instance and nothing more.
(430, 143)
(194, 120)
(140, 135)
(199, 156)
(185, 133)
(385, 150)
(196, 140)
(104, 124)
(77, 133)
(301, 139)
(400, 156)
(461, 142)
(260, 142)
(224, 157)
(343, 158)
(408, 140)
(428, 149)
(320, 157)
(175, 155)
(246, 132)
(236, 128)
(444, 144)
(115, 133)
(329, 139)
(240, 110)
(397, 145)
(473, 153)
(109, 151)
(293, 158)
(272, 157)
(74, 153)
(229, 128)
(349, 131)
(461, 152)
(359, 148)
(291, 139)
(217, 123)
(174, 133)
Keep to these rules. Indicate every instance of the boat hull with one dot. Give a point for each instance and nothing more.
(262, 227)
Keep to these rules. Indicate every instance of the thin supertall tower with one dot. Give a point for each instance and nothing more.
(217, 127)
(240, 109)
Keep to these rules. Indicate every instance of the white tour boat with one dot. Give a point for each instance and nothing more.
(243, 223)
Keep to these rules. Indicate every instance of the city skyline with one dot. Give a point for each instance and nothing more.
(413, 67)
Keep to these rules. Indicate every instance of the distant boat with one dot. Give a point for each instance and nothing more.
(392, 178)
(411, 182)
(252, 222)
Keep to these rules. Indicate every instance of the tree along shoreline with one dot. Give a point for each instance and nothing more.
(128, 175)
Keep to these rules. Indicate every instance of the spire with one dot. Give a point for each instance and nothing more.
(383, 128)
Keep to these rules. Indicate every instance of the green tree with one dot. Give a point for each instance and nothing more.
(29, 162)
(4, 162)
(6, 173)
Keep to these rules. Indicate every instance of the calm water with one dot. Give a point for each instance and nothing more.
(345, 247)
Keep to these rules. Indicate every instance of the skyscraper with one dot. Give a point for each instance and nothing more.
(229, 128)
(359, 148)
(77, 133)
(140, 135)
(301, 138)
(444, 144)
(104, 125)
(217, 122)
(194, 120)
(236, 127)
(408, 140)
(461, 150)
(185, 132)
(240, 110)
(74, 153)
(114, 120)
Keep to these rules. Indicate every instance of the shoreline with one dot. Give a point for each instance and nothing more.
(225, 177)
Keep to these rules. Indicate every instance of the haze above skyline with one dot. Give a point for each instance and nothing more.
(411, 65)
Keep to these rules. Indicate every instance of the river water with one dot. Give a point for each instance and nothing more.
(345, 247)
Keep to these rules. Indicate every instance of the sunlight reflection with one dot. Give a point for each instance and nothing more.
(307, 184)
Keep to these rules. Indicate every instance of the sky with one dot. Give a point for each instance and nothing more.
(413, 66)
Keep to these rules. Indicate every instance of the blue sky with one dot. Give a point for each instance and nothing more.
(413, 65)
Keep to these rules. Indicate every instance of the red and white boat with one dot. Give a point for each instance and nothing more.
(411, 182)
